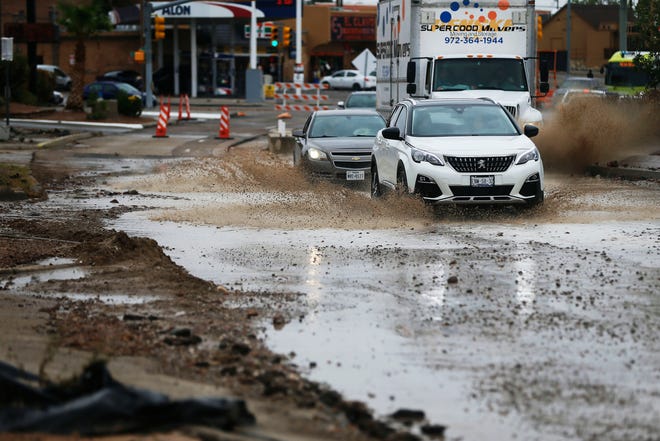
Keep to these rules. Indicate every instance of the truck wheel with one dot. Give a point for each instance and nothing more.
(376, 190)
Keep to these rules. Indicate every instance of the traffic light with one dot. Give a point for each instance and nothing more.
(286, 36)
(539, 27)
(159, 27)
(274, 36)
(138, 56)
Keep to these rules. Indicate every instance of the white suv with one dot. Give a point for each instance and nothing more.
(459, 151)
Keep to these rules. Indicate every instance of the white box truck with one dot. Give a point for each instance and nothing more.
(452, 49)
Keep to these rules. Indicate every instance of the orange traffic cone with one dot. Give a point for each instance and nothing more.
(184, 99)
(224, 124)
(163, 117)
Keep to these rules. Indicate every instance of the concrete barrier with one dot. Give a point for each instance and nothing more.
(278, 143)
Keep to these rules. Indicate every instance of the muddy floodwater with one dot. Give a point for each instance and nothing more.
(499, 323)
(496, 322)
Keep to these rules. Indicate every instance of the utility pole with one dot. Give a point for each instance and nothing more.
(568, 37)
(148, 62)
(623, 25)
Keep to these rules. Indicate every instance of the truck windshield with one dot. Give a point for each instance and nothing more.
(451, 74)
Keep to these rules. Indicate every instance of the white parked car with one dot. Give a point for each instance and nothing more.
(349, 79)
(467, 151)
(62, 80)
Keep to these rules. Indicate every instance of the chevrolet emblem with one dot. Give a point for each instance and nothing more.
(355, 158)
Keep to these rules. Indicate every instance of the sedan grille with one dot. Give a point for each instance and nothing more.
(352, 159)
(512, 110)
(480, 164)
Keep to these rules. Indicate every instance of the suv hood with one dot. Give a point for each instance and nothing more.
(474, 145)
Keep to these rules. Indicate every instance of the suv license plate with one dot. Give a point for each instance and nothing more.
(355, 175)
(482, 181)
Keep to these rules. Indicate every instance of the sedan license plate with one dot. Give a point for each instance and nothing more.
(355, 175)
(482, 181)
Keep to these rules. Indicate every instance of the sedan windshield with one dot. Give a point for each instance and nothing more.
(346, 126)
(462, 120)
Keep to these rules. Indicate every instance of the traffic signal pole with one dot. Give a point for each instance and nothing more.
(146, 20)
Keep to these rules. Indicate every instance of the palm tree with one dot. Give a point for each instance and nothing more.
(82, 19)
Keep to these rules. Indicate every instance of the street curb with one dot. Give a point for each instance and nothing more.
(62, 140)
(632, 174)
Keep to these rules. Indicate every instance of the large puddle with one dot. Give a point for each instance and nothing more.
(382, 324)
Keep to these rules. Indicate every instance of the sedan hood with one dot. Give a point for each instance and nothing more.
(473, 145)
(332, 144)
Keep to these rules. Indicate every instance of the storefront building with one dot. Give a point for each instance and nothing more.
(208, 42)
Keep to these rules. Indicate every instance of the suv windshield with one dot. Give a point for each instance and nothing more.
(461, 120)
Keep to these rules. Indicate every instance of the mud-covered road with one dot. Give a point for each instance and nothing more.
(496, 323)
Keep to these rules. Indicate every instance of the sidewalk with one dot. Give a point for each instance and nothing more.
(636, 167)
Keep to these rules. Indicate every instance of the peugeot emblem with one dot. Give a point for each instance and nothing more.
(481, 164)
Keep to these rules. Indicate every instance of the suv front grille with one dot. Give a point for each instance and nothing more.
(498, 190)
(352, 159)
(480, 164)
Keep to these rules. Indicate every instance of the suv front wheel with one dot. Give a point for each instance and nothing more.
(376, 190)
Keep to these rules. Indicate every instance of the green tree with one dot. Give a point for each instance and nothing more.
(648, 23)
(83, 20)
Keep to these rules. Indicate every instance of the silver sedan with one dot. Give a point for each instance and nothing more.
(336, 144)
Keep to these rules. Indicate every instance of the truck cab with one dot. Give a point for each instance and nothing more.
(501, 78)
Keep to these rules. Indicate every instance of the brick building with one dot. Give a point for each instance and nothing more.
(594, 35)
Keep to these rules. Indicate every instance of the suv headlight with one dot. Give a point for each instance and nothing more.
(531, 155)
(422, 156)
(316, 154)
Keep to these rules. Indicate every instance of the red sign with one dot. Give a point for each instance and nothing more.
(352, 28)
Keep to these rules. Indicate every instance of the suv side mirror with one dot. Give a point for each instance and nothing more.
(392, 133)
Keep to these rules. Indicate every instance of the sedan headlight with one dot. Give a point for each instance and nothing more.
(316, 154)
(531, 155)
(422, 156)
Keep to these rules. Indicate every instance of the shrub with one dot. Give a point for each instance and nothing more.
(45, 86)
(129, 105)
(98, 105)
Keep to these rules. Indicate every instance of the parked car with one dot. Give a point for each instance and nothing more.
(468, 151)
(361, 99)
(123, 76)
(336, 144)
(62, 80)
(109, 90)
(349, 79)
(58, 98)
